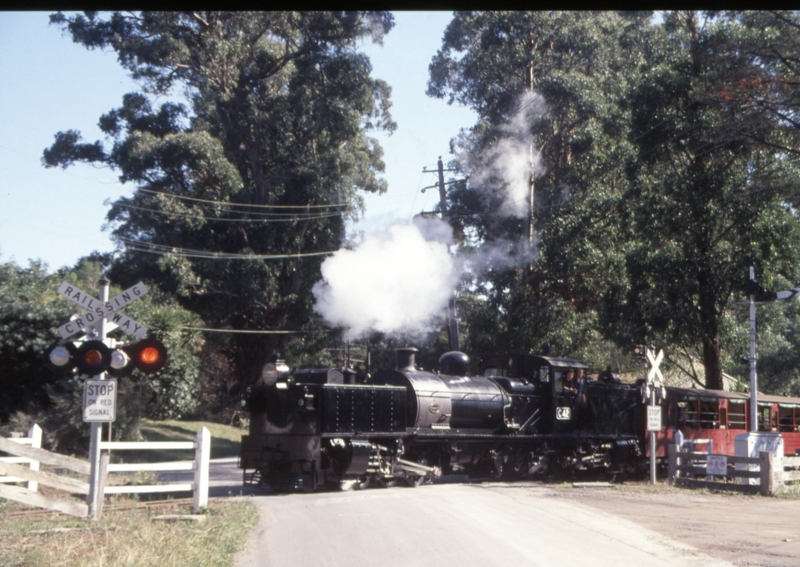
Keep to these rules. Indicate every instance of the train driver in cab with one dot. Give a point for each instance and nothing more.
(571, 383)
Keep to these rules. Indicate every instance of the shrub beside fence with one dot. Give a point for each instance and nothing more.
(773, 474)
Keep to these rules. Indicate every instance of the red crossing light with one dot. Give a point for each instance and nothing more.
(92, 358)
(147, 355)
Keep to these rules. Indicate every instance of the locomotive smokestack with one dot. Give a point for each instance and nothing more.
(405, 358)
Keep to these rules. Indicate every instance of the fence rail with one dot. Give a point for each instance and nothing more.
(34, 439)
(199, 487)
(774, 474)
(28, 451)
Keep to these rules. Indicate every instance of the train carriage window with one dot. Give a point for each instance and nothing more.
(763, 416)
(736, 414)
(688, 415)
(723, 418)
(709, 415)
(787, 417)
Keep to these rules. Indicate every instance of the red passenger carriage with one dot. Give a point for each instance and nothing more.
(717, 416)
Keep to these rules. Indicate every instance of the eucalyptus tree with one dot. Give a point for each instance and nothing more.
(547, 88)
(711, 186)
(242, 188)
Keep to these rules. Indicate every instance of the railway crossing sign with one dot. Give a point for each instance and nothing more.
(655, 362)
(97, 310)
(100, 400)
(654, 373)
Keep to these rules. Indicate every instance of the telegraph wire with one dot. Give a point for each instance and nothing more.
(160, 249)
(294, 217)
(231, 204)
(259, 332)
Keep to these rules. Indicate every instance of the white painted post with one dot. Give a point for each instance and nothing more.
(35, 434)
(202, 455)
(97, 427)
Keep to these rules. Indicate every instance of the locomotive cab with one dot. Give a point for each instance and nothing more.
(557, 383)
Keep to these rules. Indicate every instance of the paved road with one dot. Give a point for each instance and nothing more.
(463, 525)
(224, 478)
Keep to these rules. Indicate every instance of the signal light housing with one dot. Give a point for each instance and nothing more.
(61, 359)
(147, 355)
(120, 365)
(92, 358)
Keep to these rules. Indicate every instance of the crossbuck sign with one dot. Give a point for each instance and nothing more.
(97, 310)
(654, 371)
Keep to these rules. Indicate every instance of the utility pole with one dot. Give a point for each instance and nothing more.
(452, 321)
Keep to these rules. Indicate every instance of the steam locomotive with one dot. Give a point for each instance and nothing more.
(523, 415)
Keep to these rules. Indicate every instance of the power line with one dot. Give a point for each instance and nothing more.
(295, 217)
(161, 250)
(231, 204)
(260, 332)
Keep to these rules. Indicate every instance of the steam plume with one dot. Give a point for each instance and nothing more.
(511, 160)
(393, 282)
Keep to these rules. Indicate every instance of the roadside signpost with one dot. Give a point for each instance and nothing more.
(655, 384)
(100, 394)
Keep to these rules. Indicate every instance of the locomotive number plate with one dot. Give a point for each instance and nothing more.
(564, 413)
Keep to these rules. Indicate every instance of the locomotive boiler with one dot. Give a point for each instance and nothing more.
(523, 414)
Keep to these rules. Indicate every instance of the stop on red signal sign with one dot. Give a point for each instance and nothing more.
(100, 400)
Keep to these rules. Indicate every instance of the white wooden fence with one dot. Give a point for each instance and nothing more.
(770, 474)
(199, 487)
(14, 472)
(34, 439)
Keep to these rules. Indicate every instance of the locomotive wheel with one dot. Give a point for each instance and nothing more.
(384, 482)
(418, 480)
(414, 481)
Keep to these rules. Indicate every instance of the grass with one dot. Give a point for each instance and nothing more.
(225, 441)
(125, 538)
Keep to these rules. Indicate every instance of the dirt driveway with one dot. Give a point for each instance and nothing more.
(745, 530)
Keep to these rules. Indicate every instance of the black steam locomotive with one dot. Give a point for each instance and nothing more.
(524, 415)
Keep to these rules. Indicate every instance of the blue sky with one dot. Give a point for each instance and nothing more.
(51, 84)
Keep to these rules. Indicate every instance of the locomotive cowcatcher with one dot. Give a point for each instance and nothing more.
(524, 414)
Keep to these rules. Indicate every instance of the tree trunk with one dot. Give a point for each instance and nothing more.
(712, 362)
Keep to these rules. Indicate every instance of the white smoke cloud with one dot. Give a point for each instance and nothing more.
(512, 159)
(398, 280)
(393, 282)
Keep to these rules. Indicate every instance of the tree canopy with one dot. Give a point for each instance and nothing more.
(245, 187)
(666, 162)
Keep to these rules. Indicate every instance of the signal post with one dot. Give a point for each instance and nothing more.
(97, 357)
(97, 426)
